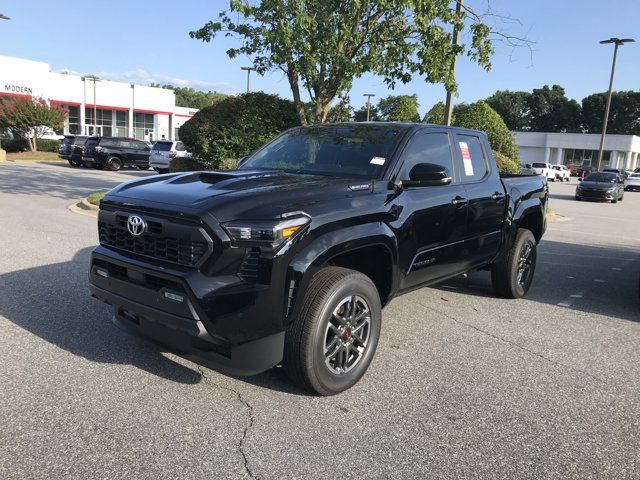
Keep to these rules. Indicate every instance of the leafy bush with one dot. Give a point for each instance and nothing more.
(236, 126)
(182, 164)
(480, 116)
(20, 145)
(506, 164)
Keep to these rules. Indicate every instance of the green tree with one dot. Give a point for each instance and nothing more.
(513, 107)
(322, 45)
(435, 114)
(480, 116)
(551, 111)
(192, 98)
(236, 126)
(624, 115)
(399, 108)
(29, 118)
(360, 115)
(341, 112)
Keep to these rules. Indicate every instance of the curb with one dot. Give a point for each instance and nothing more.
(83, 207)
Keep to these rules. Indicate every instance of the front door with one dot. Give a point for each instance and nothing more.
(431, 223)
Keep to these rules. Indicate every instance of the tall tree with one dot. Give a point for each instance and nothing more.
(322, 45)
(513, 107)
(192, 98)
(624, 115)
(29, 118)
(436, 114)
(551, 111)
(399, 108)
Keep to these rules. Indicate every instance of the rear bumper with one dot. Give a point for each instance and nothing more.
(163, 307)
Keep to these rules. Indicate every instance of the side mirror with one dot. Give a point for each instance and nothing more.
(242, 161)
(427, 175)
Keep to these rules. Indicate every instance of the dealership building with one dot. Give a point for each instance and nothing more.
(99, 107)
(579, 149)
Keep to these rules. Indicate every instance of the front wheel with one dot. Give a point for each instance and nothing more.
(114, 164)
(512, 273)
(332, 340)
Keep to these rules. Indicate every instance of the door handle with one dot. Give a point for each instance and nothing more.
(497, 196)
(459, 200)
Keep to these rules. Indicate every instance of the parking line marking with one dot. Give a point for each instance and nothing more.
(568, 302)
(569, 276)
(616, 268)
(576, 295)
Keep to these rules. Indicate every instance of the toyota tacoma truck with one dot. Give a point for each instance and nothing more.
(290, 258)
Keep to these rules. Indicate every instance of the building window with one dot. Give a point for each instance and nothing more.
(73, 120)
(122, 124)
(585, 158)
(144, 126)
(104, 124)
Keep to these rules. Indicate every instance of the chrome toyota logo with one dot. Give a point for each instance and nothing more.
(136, 225)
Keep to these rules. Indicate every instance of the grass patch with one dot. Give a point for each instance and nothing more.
(34, 157)
(95, 198)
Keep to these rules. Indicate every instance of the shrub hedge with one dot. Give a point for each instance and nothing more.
(19, 145)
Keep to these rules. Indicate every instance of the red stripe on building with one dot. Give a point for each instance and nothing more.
(181, 115)
(151, 111)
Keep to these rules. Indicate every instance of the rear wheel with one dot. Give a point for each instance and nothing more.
(161, 170)
(331, 342)
(114, 164)
(512, 273)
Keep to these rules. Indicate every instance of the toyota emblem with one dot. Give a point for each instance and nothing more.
(136, 225)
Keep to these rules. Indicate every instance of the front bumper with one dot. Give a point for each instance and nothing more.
(170, 308)
(595, 194)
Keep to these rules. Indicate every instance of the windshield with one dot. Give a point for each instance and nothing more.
(601, 177)
(162, 146)
(343, 150)
(539, 165)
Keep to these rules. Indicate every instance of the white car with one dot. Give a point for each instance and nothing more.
(632, 182)
(545, 170)
(163, 151)
(562, 173)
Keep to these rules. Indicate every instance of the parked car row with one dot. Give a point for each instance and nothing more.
(114, 153)
(550, 172)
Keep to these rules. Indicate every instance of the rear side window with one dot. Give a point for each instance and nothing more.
(539, 165)
(427, 148)
(108, 142)
(180, 147)
(472, 162)
(125, 144)
(162, 146)
(91, 142)
(79, 140)
(140, 145)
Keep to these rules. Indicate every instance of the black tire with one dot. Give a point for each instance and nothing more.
(114, 164)
(505, 272)
(307, 336)
(162, 170)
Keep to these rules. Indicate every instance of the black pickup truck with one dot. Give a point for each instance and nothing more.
(290, 258)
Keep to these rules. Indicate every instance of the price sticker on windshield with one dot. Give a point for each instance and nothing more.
(466, 158)
(377, 160)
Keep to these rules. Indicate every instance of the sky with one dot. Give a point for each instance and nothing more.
(147, 41)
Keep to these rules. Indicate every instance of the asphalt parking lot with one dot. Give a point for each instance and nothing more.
(464, 384)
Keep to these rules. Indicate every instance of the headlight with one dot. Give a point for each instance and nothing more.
(269, 234)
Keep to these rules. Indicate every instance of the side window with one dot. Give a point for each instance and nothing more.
(427, 148)
(140, 145)
(124, 144)
(474, 164)
(180, 147)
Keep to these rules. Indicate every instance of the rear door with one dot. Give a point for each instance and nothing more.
(431, 223)
(485, 193)
(142, 152)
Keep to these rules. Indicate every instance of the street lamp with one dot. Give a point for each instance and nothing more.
(369, 95)
(94, 79)
(248, 69)
(617, 42)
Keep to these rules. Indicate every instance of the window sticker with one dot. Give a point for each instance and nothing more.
(466, 159)
(377, 160)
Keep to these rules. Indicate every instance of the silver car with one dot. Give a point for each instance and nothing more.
(632, 182)
(163, 152)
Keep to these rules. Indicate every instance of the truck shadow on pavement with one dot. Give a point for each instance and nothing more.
(53, 302)
(601, 280)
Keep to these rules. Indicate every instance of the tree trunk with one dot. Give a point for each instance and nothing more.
(32, 143)
(292, 76)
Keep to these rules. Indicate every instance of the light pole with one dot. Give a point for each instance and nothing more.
(369, 95)
(617, 42)
(248, 69)
(448, 110)
(94, 79)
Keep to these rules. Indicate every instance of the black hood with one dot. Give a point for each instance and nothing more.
(230, 195)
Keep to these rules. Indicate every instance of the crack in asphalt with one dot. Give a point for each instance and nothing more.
(249, 425)
(512, 343)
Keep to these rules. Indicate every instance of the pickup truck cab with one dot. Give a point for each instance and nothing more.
(290, 258)
(562, 173)
(545, 170)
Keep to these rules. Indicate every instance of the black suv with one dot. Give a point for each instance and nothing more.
(71, 149)
(115, 152)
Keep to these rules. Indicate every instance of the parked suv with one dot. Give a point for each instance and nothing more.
(545, 170)
(562, 173)
(71, 149)
(163, 152)
(115, 152)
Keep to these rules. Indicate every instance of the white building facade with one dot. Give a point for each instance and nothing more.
(97, 108)
(579, 149)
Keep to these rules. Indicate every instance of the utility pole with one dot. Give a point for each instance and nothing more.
(448, 110)
(369, 95)
(248, 69)
(617, 42)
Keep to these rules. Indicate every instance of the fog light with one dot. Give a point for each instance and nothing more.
(173, 296)
(102, 273)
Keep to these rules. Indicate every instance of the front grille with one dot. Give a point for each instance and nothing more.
(593, 193)
(164, 240)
